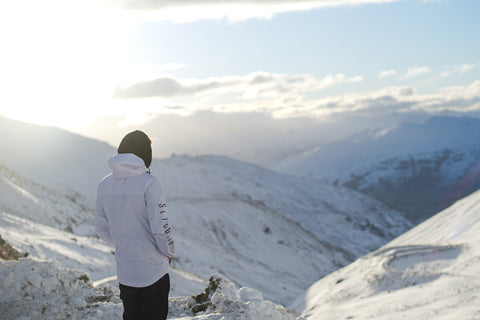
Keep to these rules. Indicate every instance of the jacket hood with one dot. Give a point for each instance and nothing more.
(126, 165)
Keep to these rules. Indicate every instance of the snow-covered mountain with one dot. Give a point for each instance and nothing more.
(430, 272)
(416, 168)
(272, 232)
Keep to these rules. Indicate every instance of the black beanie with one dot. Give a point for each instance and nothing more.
(138, 143)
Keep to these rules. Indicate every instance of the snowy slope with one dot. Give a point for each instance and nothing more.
(320, 209)
(416, 168)
(35, 202)
(46, 243)
(268, 231)
(36, 290)
(430, 272)
(265, 230)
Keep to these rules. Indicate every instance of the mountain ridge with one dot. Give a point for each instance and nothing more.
(416, 168)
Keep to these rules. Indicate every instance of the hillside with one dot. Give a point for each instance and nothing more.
(419, 169)
(27, 199)
(430, 272)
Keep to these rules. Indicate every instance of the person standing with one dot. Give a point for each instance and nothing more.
(131, 215)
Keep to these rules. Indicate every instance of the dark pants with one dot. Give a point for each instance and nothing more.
(148, 303)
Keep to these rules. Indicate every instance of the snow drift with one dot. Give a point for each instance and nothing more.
(31, 289)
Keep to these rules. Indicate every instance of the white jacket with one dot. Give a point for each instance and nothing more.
(131, 214)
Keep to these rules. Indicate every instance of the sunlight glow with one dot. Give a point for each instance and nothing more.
(57, 68)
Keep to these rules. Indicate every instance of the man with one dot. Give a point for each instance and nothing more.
(131, 214)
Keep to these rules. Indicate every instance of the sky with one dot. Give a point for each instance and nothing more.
(257, 80)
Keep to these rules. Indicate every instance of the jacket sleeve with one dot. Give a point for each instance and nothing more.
(157, 215)
(102, 227)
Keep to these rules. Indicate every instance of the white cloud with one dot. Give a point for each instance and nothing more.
(254, 85)
(417, 71)
(191, 10)
(396, 99)
(386, 73)
(459, 69)
(287, 96)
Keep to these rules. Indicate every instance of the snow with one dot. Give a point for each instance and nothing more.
(35, 202)
(430, 272)
(45, 243)
(32, 289)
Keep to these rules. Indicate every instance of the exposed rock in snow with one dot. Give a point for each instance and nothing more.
(222, 300)
(7, 252)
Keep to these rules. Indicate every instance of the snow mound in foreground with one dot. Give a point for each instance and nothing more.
(222, 300)
(31, 289)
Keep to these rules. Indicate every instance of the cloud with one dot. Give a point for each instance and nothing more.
(459, 69)
(386, 73)
(191, 10)
(291, 96)
(417, 71)
(250, 86)
(394, 99)
(165, 87)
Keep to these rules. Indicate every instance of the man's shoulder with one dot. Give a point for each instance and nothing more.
(150, 179)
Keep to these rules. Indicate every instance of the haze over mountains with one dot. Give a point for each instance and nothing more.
(416, 168)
